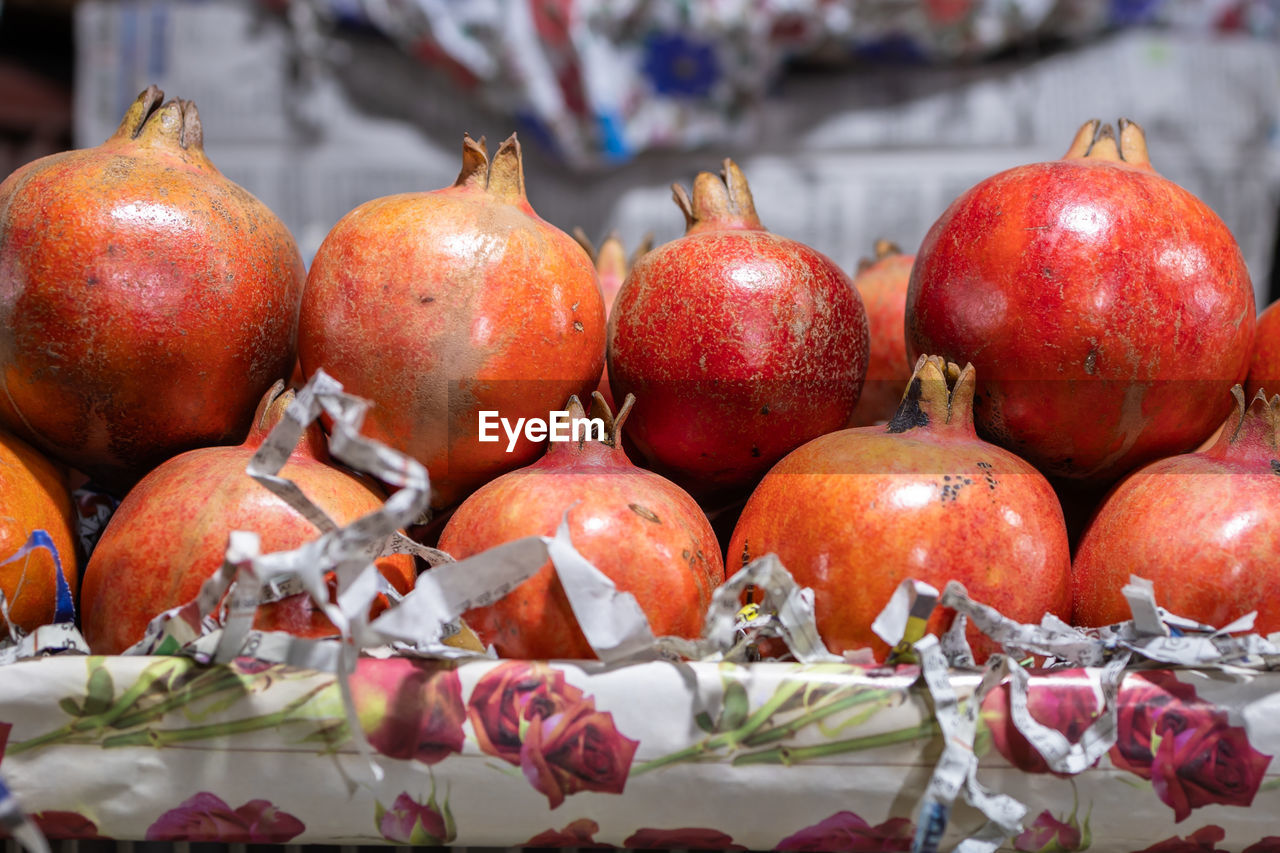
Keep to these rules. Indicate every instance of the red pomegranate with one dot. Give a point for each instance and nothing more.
(642, 530)
(853, 513)
(34, 496)
(169, 534)
(1107, 310)
(440, 305)
(1204, 527)
(146, 302)
(882, 283)
(739, 345)
(612, 266)
(1264, 367)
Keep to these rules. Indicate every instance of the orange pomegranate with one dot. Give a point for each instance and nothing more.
(440, 305)
(146, 302)
(853, 513)
(33, 496)
(169, 534)
(643, 531)
(1203, 527)
(882, 283)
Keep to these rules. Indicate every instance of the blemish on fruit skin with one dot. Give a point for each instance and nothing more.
(577, 326)
(1275, 466)
(426, 299)
(1091, 362)
(645, 513)
(909, 414)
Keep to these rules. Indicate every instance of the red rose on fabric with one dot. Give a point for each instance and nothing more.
(513, 692)
(62, 825)
(1184, 745)
(66, 825)
(205, 817)
(1064, 700)
(1203, 840)
(683, 839)
(1049, 833)
(409, 709)
(579, 833)
(411, 822)
(524, 713)
(846, 831)
(1268, 844)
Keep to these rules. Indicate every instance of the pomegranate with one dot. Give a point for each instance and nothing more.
(1090, 285)
(1204, 527)
(440, 305)
(640, 529)
(739, 345)
(882, 283)
(1264, 366)
(611, 267)
(146, 302)
(169, 534)
(34, 496)
(853, 513)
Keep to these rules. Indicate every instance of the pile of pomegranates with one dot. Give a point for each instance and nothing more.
(1103, 316)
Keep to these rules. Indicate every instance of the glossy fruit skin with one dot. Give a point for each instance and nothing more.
(1107, 310)
(34, 496)
(853, 513)
(146, 301)
(1264, 366)
(1204, 527)
(882, 284)
(437, 305)
(169, 534)
(739, 345)
(640, 529)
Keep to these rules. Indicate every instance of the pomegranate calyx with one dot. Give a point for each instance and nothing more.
(271, 411)
(151, 121)
(1254, 424)
(475, 163)
(939, 393)
(882, 249)
(718, 201)
(600, 409)
(506, 172)
(502, 177)
(1099, 141)
(611, 256)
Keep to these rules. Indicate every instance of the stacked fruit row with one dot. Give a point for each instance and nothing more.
(1070, 322)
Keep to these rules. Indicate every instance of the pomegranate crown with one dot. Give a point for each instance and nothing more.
(600, 409)
(1098, 141)
(152, 121)
(939, 393)
(723, 201)
(882, 249)
(1253, 423)
(501, 177)
(611, 255)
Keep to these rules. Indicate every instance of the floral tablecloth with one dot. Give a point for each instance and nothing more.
(654, 755)
(597, 81)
